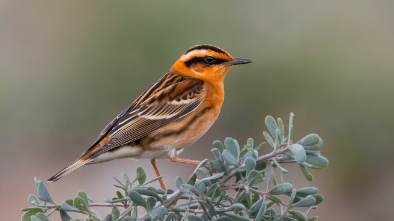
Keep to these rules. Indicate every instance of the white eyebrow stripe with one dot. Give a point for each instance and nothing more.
(190, 54)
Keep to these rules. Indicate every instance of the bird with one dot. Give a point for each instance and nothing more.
(169, 116)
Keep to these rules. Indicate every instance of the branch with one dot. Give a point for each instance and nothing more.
(272, 154)
(90, 205)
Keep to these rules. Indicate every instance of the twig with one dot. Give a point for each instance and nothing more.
(90, 205)
(272, 154)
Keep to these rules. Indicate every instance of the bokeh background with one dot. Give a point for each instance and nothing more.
(67, 68)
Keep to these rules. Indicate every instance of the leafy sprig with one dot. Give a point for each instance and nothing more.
(240, 184)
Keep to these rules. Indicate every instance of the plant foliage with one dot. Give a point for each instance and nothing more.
(239, 184)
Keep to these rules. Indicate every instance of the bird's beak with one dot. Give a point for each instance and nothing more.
(237, 61)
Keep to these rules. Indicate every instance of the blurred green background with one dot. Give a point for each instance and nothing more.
(67, 68)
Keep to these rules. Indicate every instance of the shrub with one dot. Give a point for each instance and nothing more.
(239, 184)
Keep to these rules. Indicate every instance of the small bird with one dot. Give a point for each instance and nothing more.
(171, 115)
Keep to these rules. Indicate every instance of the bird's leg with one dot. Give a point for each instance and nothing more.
(153, 162)
(188, 161)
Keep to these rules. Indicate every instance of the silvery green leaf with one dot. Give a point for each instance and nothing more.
(305, 172)
(319, 161)
(158, 213)
(84, 196)
(298, 152)
(43, 193)
(251, 153)
(259, 146)
(254, 209)
(68, 206)
(204, 171)
(250, 143)
(292, 196)
(271, 125)
(192, 179)
(31, 212)
(253, 178)
(229, 158)
(64, 216)
(219, 145)
(233, 146)
(217, 192)
(217, 153)
(120, 183)
(244, 152)
(33, 200)
(151, 202)
(158, 191)
(319, 198)
(200, 186)
(281, 129)
(137, 198)
(201, 164)
(108, 217)
(250, 164)
(217, 166)
(170, 216)
(279, 166)
(147, 192)
(305, 202)
(261, 212)
(186, 187)
(261, 165)
(178, 182)
(288, 156)
(80, 204)
(236, 206)
(211, 189)
(311, 142)
(306, 191)
(214, 176)
(141, 175)
(42, 217)
(125, 176)
(152, 180)
(283, 188)
(115, 213)
(298, 215)
(269, 139)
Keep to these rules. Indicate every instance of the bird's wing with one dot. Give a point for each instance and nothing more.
(170, 99)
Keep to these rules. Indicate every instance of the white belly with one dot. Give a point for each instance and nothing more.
(135, 152)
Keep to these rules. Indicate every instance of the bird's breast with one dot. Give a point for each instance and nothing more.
(183, 132)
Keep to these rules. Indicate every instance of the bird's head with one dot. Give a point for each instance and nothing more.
(206, 62)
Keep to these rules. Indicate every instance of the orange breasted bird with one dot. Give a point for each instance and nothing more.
(170, 116)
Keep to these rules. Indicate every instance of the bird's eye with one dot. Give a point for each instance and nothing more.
(209, 60)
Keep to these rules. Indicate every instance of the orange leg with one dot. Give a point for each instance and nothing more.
(188, 161)
(153, 162)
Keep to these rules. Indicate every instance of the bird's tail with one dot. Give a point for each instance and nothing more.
(80, 162)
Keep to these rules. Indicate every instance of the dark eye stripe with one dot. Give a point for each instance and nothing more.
(200, 60)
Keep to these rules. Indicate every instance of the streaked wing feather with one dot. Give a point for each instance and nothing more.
(166, 101)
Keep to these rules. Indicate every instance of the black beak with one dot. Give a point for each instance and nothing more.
(237, 61)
